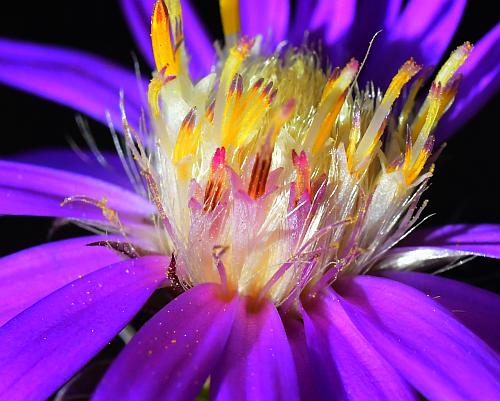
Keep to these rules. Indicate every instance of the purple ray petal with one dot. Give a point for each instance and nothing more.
(198, 43)
(432, 21)
(334, 17)
(138, 15)
(482, 239)
(173, 354)
(76, 79)
(257, 363)
(328, 22)
(264, 17)
(423, 30)
(363, 372)
(85, 163)
(314, 383)
(434, 352)
(298, 26)
(373, 17)
(478, 309)
(44, 346)
(29, 275)
(481, 82)
(39, 191)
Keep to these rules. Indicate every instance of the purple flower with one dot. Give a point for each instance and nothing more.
(276, 198)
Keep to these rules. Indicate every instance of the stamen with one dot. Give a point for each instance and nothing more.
(453, 63)
(237, 55)
(434, 99)
(332, 100)
(215, 184)
(410, 99)
(373, 132)
(354, 137)
(164, 50)
(262, 164)
(303, 171)
(188, 137)
(445, 74)
(260, 172)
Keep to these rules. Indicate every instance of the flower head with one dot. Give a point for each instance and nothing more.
(269, 175)
(271, 195)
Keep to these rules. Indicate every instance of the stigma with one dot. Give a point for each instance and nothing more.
(273, 175)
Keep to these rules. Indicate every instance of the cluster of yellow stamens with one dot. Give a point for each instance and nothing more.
(273, 175)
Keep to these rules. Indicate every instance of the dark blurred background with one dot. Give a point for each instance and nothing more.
(463, 190)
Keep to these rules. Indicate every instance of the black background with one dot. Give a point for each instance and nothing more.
(464, 189)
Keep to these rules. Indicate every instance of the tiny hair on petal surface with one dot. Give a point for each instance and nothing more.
(254, 233)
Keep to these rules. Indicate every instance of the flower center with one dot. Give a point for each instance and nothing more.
(272, 175)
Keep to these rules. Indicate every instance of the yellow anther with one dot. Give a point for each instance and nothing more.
(445, 74)
(241, 118)
(303, 172)
(410, 100)
(328, 123)
(224, 99)
(160, 36)
(167, 38)
(332, 100)
(263, 158)
(405, 73)
(279, 119)
(451, 66)
(411, 170)
(232, 111)
(434, 99)
(372, 133)
(237, 55)
(449, 93)
(354, 136)
(230, 14)
(188, 137)
(186, 146)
